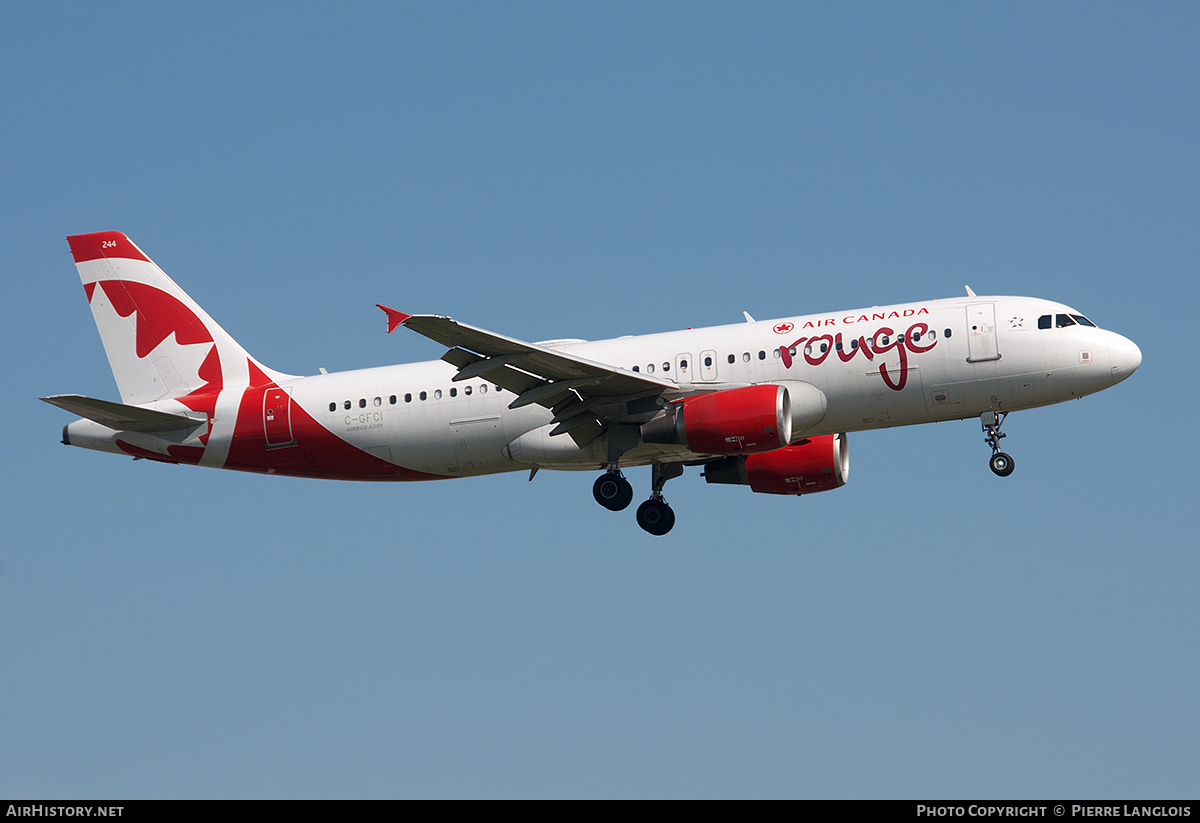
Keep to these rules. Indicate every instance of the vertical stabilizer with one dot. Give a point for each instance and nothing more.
(159, 342)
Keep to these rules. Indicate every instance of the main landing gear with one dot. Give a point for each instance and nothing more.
(613, 492)
(1002, 464)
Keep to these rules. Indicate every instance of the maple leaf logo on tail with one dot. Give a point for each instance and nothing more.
(160, 344)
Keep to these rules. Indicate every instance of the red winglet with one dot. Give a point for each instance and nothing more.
(104, 244)
(395, 318)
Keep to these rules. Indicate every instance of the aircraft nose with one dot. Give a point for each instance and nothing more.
(1125, 357)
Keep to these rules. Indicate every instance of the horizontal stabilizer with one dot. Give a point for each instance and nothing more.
(120, 417)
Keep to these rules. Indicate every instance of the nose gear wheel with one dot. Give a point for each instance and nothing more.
(1002, 464)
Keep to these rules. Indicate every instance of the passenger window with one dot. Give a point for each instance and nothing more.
(666, 366)
(946, 333)
(466, 389)
(792, 351)
(637, 369)
(746, 357)
(824, 348)
(333, 406)
(392, 400)
(732, 360)
(454, 392)
(408, 397)
(362, 402)
(708, 361)
(378, 401)
(437, 394)
(483, 389)
(348, 404)
(778, 353)
(854, 344)
(650, 369)
(807, 349)
(1044, 321)
(423, 395)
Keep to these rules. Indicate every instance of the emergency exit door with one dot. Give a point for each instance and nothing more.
(277, 417)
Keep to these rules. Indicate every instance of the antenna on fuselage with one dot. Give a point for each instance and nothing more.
(971, 293)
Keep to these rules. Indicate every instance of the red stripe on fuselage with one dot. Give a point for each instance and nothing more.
(186, 454)
(317, 452)
(138, 451)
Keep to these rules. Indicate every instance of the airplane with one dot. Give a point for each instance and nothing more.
(765, 404)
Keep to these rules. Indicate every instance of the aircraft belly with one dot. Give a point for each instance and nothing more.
(457, 438)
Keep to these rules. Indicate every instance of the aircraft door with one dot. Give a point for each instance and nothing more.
(277, 417)
(982, 344)
(708, 365)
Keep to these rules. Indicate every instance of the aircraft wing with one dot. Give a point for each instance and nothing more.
(537, 374)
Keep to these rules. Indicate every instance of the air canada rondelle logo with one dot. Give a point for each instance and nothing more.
(783, 328)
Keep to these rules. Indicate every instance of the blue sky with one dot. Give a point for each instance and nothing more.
(571, 170)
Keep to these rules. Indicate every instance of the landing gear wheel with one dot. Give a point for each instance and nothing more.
(612, 491)
(655, 516)
(1002, 464)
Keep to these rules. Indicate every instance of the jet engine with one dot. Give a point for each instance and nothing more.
(734, 421)
(815, 464)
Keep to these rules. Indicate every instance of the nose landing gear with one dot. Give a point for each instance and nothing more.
(1002, 465)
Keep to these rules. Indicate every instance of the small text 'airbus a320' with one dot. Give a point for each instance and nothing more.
(765, 404)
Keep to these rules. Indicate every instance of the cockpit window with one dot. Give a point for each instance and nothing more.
(1062, 321)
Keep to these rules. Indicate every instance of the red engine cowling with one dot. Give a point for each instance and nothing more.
(815, 464)
(735, 421)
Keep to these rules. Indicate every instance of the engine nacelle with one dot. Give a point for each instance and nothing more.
(808, 405)
(734, 421)
(815, 464)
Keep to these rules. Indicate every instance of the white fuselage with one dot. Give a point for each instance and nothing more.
(973, 354)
